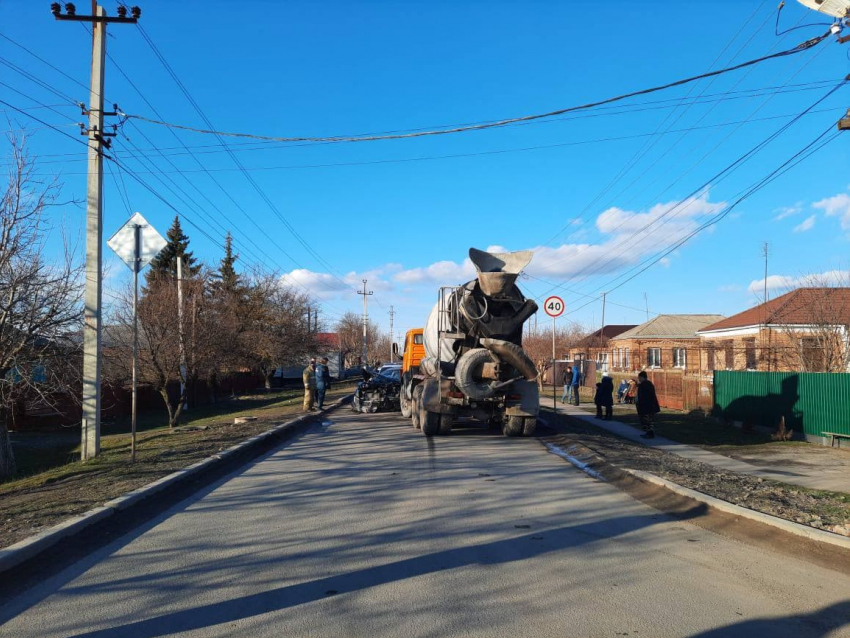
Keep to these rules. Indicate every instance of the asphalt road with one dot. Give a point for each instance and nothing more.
(365, 528)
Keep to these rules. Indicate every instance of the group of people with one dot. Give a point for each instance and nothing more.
(641, 392)
(317, 381)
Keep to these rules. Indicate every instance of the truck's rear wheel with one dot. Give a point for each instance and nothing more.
(429, 421)
(513, 426)
(529, 426)
(415, 413)
(405, 403)
(446, 424)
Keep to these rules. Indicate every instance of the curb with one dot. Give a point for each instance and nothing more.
(28, 548)
(811, 533)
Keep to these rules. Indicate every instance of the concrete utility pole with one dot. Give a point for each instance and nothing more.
(765, 252)
(604, 294)
(365, 321)
(392, 317)
(90, 442)
(180, 335)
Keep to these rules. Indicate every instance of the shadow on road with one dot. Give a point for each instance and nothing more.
(498, 552)
(823, 621)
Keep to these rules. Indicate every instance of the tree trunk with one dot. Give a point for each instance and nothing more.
(267, 377)
(163, 392)
(7, 457)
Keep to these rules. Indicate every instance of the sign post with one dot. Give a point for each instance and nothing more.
(136, 243)
(554, 307)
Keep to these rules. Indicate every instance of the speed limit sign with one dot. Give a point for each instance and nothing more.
(554, 306)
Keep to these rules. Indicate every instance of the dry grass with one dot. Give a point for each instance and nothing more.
(31, 503)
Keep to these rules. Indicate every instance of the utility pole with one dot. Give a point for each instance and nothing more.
(392, 317)
(365, 321)
(765, 249)
(604, 294)
(180, 336)
(90, 441)
(646, 303)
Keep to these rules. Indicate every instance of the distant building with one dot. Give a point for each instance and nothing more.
(667, 342)
(594, 347)
(805, 330)
(328, 346)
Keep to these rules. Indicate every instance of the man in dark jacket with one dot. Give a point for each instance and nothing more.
(567, 380)
(604, 397)
(646, 403)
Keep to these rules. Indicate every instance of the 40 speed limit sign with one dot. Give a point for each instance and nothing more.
(554, 306)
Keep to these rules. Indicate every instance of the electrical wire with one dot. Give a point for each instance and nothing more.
(804, 46)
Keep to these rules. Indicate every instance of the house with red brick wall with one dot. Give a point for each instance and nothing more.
(667, 342)
(594, 346)
(805, 330)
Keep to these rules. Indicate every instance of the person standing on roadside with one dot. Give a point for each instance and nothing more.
(646, 403)
(309, 378)
(605, 397)
(575, 382)
(323, 382)
(567, 379)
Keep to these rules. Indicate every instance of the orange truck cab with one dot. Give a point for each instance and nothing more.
(414, 352)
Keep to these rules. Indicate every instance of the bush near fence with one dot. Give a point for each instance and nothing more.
(811, 402)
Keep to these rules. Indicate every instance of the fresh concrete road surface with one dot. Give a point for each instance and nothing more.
(365, 528)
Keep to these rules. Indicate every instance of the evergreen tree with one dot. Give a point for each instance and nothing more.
(227, 279)
(165, 263)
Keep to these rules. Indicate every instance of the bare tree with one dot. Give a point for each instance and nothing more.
(815, 334)
(350, 331)
(277, 331)
(538, 345)
(40, 311)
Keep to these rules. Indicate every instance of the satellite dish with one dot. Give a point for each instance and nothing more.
(834, 8)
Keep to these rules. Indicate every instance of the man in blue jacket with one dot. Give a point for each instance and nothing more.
(576, 381)
(323, 382)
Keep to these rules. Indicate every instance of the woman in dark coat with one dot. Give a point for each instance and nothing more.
(604, 397)
(646, 404)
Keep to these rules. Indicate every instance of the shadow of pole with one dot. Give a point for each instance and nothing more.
(816, 624)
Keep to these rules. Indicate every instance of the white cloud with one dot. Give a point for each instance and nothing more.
(445, 272)
(837, 206)
(787, 211)
(730, 288)
(788, 282)
(664, 261)
(807, 224)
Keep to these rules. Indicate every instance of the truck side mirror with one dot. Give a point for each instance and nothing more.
(395, 348)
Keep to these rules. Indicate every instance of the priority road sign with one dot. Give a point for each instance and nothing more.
(124, 241)
(554, 306)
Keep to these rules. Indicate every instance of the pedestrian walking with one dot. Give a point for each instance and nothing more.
(323, 382)
(567, 379)
(575, 382)
(646, 403)
(309, 378)
(604, 397)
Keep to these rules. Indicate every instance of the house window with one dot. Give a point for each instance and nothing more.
(626, 362)
(709, 358)
(602, 361)
(812, 355)
(750, 351)
(618, 361)
(729, 352)
(679, 358)
(653, 357)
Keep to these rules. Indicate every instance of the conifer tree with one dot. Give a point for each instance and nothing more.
(227, 279)
(165, 263)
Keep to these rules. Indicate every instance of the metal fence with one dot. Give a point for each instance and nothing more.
(811, 402)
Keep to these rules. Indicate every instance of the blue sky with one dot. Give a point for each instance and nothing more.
(403, 214)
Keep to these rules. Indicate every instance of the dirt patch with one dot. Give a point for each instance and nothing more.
(31, 504)
(816, 508)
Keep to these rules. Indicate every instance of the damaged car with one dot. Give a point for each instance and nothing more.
(378, 391)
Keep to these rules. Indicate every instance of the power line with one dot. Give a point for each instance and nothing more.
(804, 46)
(41, 83)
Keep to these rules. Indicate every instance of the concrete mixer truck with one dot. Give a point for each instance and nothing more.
(474, 365)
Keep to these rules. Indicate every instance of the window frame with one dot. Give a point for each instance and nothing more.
(650, 363)
(683, 364)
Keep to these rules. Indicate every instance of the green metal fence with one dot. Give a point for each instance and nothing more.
(810, 402)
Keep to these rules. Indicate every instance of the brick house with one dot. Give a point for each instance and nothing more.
(594, 347)
(804, 330)
(667, 342)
